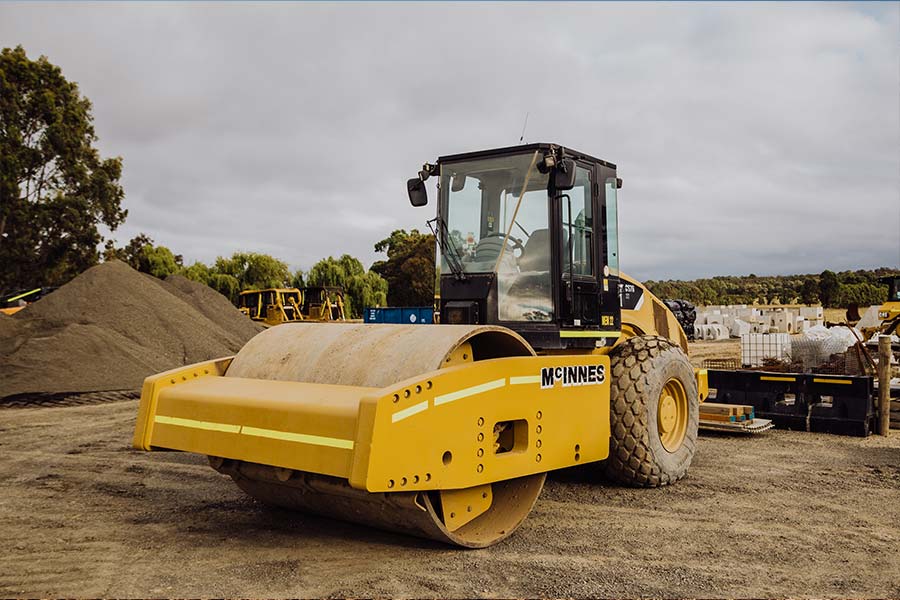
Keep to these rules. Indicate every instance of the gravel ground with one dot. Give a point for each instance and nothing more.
(781, 514)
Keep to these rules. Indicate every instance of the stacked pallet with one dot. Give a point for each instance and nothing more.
(895, 414)
(725, 413)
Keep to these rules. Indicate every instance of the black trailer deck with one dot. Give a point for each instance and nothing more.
(801, 401)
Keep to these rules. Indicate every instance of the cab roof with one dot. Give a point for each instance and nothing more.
(541, 146)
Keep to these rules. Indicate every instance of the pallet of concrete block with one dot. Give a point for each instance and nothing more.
(731, 417)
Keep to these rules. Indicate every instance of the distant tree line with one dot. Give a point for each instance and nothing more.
(406, 278)
(832, 290)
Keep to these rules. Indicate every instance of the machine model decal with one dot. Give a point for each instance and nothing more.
(573, 376)
(631, 296)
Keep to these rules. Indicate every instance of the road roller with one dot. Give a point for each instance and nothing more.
(545, 357)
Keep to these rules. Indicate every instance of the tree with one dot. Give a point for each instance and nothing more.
(366, 291)
(252, 270)
(362, 288)
(130, 253)
(335, 271)
(196, 272)
(55, 190)
(409, 268)
(227, 285)
(829, 289)
(158, 261)
(143, 256)
(809, 292)
(862, 294)
(298, 279)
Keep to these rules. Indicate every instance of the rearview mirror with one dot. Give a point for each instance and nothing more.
(564, 175)
(418, 195)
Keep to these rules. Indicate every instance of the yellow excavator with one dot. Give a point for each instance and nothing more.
(889, 311)
(275, 306)
(546, 357)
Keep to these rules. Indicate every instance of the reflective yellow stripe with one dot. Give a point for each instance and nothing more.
(470, 391)
(764, 378)
(844, 381)
(408, 412)
(303, 438)
(23, 295)
(590, 334)
(524, 379)
(288, 436)
(197, 424)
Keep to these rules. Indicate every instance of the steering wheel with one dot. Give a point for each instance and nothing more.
(488, 247)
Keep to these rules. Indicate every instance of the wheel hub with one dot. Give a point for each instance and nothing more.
(668, 414)
(672, 415)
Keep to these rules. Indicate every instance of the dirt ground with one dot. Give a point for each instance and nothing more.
(780, 514)
(700, 351)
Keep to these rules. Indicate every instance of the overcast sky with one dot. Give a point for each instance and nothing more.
(759, 138)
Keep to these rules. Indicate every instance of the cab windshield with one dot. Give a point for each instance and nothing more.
(496, 214)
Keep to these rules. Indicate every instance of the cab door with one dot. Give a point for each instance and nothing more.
(578, 257)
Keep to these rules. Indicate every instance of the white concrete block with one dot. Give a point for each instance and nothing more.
(812, 313)
(740, 328)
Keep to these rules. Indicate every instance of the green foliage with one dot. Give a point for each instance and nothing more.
(829, 289)
(158, 261)
(130, 253)
(142, 255)
(227, 285)
(196, 272)
(809, 291)
(362, 289)
(367, 290)
(297, 279)
(55, 190)
(859, 287)
(862, 294)
(252, 270)
(409, 268)
(335, 271)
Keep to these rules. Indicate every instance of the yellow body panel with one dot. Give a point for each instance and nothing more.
(431, 432)
(889, 311)
(651, 317)
(155, 384)
(702, 384)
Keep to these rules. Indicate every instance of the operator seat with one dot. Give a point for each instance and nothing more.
(536, 253)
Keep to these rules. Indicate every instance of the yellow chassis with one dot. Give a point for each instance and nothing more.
(432, 432)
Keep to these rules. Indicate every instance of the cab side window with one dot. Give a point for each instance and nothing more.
(578, 226)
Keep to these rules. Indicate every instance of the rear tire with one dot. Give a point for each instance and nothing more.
(653, 406)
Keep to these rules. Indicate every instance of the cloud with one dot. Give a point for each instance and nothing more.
(751, 137)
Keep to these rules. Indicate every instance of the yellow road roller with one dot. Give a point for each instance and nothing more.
(545, 357)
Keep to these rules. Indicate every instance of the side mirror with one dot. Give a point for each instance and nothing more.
(418, 195)
(564, 175)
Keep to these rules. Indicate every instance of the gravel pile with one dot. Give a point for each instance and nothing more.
(111, 327)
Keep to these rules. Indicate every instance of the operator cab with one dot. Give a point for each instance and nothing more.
(893, 283)
(528, 240)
